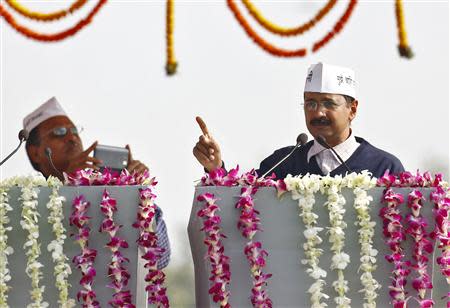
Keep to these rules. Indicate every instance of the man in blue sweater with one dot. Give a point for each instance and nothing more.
(330, 105)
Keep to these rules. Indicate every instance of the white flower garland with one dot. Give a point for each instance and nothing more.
(29, 222)
(62, 268)
(5, 250)
(303, 190)
(361, 183)
(331, 186)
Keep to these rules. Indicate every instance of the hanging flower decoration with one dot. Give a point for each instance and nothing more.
(393, 230)
(403, 47)
(416, 228)
(5, 250)
(76, 5)
(361, 183)
(171, 65)
(303, 189)
(116, 270)
(441, 199)
(248, 224)
(30, 223)
(147, 240)
(220, 263)
(279, 52)
(85, 260)
(331, 187)
(55, 36)
(340, 24)
(283, 31)
(62, 268)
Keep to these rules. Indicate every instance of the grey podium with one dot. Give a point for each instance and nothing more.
(282, 237)
(127, 203)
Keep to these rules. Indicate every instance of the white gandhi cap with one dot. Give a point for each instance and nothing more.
(326, 78)
(47, 110)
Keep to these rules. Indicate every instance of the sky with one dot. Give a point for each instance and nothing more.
(110, 79)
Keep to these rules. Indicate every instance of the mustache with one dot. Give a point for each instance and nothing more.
(320, 122)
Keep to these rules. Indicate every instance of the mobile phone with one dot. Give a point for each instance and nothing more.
(114, 158)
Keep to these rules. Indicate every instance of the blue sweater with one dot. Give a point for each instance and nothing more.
(366, 157)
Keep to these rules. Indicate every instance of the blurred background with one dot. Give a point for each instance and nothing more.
(110, 78)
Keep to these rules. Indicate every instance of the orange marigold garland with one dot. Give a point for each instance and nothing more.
(16, 6)
(55, 36)
(261, 42)
(276, 29)
(403, 46)
(171, 65)
(337, 27)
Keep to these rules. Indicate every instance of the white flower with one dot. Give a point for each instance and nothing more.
(340, 261)
(311, 232)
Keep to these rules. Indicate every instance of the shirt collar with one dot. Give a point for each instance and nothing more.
(344, 149)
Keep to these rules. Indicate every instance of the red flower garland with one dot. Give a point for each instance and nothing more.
(220, 263)
(118, 273)
(85, 260)
(148, 240)
(55, 36)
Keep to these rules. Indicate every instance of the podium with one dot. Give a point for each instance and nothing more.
(282, 237)
(127, 202)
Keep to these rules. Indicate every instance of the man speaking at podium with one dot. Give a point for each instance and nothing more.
(50, 127)
(330, 105)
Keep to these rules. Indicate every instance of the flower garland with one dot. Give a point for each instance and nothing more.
(76, 5)
(148, 242)
(5, 250)
(55, 36)
(85, 260)
(340, 24)
(248, 224)
(118, 273)
(260, 41)
(335, 205)
(303, 190)
(171, 65)
(62, 268)
(440, 196)
(220, 263)
(147, 239)
(393, 229)
(403, 47)
(422, 246)
(90, 177)
(276, 29)
(441, 232)
(30, 223)
(361, 183)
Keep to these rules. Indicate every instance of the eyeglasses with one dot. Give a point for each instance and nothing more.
(328, 105)
(62, 131)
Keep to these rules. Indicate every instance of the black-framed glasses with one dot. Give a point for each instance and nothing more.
(328, 105)
(62, 131)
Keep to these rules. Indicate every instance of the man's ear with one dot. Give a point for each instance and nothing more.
(353, 110)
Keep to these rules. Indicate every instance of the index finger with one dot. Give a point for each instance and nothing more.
(202, 125)
(130, 157)
(91, 148)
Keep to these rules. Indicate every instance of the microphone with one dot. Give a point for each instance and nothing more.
(23, 136)
(48, 153)
(301, 140)
(321, 140)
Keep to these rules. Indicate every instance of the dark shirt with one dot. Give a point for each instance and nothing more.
(366, 157)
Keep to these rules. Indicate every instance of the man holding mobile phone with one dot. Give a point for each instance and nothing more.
(54, 146)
